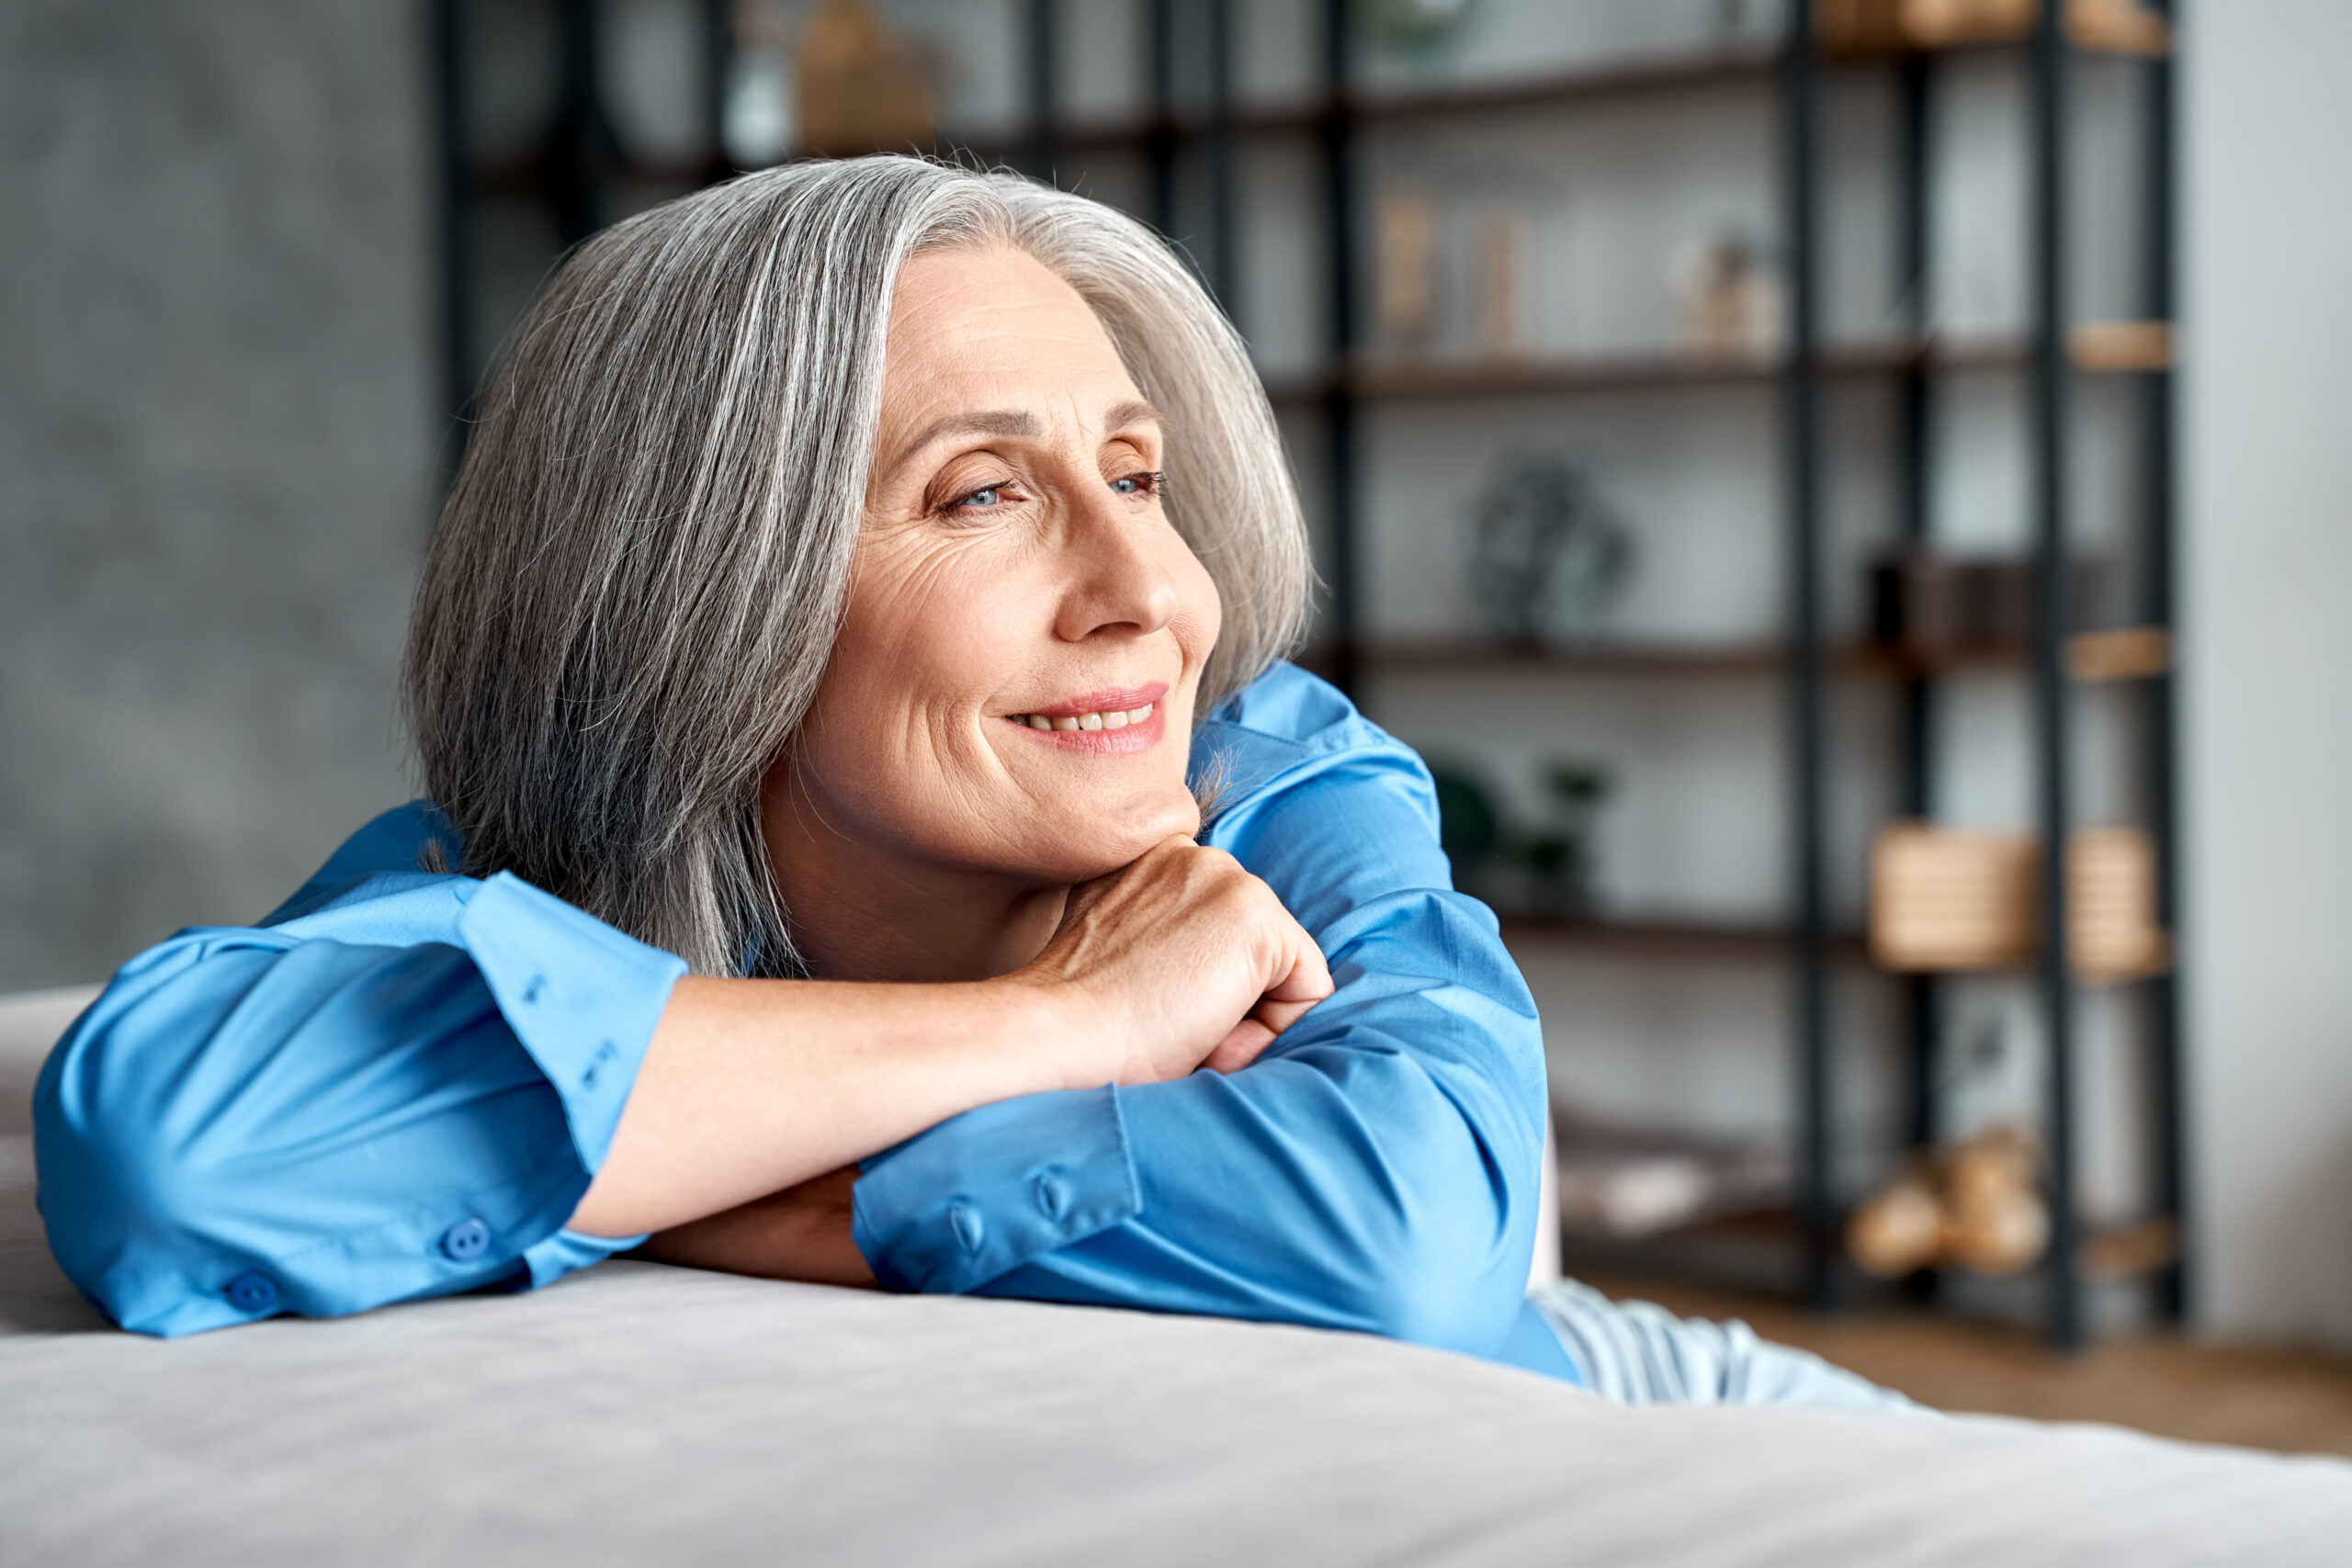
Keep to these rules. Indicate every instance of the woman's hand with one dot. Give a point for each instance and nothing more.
(752, 1086)
(1177, 961)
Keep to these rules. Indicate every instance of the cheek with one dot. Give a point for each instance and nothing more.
(923, 646)
(926, 636)
(1201, 615)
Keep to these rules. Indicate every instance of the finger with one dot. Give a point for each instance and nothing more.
(1279, 1016)
(1307, 978)
(1239, 1047)
(1086, 895)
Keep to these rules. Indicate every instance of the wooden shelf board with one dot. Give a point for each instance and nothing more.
(2092, 656)
(2082, 976)
(1646, 73)
(1417, 655)
(522, 174)
(1390, 377)
(1634, 76)
(1671, 938)
(2104, 1255)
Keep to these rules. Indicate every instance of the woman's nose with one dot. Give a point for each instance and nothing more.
(1118, 579)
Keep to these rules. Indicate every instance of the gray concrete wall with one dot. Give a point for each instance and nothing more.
(217, 437)
(2268, 640)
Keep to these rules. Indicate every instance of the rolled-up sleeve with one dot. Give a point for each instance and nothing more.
(1376, 1169)
(940, 1223)
(403, 1095)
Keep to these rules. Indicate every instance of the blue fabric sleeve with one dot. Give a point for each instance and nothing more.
(1376, 1169)
(402, 1094)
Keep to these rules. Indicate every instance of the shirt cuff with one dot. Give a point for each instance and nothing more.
(551, 1257)
(582, 997)
(946, 1211)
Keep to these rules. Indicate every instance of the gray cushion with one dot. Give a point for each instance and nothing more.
(642, 1413)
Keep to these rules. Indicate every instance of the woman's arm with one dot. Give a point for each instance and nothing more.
(410, 1089)
(1376, 1169)
(751, 1086)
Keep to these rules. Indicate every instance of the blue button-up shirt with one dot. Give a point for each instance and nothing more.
(400, 1085)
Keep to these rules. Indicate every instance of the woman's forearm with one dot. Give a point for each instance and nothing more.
(804, 1233)
(751, 1086)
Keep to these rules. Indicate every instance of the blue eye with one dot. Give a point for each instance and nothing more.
(986, 497)
(1145, 483)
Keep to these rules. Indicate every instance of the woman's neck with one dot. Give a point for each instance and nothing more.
(859, 915)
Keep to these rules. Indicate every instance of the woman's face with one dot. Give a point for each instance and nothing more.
(1012, 691)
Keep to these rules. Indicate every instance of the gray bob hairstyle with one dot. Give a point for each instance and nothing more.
(637, 579)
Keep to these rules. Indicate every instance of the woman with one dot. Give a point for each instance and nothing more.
(857, 571)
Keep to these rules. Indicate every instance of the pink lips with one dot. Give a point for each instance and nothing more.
(1104, 701)
(1123, 743)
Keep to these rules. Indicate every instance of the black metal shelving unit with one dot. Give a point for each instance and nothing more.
(572, 169)
(574, 165)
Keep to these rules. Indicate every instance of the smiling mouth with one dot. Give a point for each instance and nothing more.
(1107, 721)
(1113, 718)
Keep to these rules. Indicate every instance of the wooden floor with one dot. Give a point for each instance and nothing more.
(2295, 1402)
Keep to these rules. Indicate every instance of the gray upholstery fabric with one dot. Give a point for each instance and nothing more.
(636, 1414)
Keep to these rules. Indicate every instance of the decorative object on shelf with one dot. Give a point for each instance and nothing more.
(1932, 606)
(1939, 24)
(2120, 345)
(1547, 556)
(1560, 859)
(1422, 33)
(2132, 653)
(756, 117)
(1941, 898)
(1731, 300)
(859, 87)
(2111, 904)
(1944, 898)
(1469, 824)
(1462, 251)
(2124, 26)
(1404, 282)
(1616, 1180)
(1548, 869)
(1501, 241)
(1862, 26)
(1901, 1229)
(1976, 1205)
(1886, 27)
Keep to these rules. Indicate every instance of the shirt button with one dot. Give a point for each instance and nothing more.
(466, 1240)
(1053, 1196)
(968, 1229)
(254, 1292)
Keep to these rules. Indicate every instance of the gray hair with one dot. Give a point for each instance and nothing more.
(637, 579)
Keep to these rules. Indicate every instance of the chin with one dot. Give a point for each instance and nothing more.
(1115, 839)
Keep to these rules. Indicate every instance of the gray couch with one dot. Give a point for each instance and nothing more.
(637, 1414)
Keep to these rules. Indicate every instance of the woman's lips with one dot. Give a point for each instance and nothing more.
(1107, 701)
(1116, 722)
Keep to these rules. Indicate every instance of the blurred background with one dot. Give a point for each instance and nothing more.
(1783, 464)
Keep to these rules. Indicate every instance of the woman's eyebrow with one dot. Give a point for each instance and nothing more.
(1135, 410)
(988, 422)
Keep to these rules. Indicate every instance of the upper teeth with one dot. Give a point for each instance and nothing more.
(1118, 719)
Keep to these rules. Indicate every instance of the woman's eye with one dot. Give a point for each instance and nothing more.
(1145, 483)
(988, 498)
